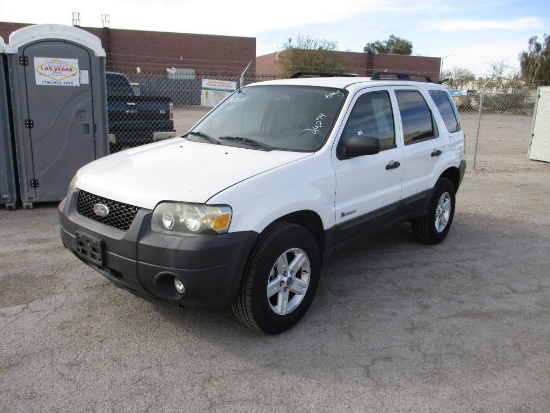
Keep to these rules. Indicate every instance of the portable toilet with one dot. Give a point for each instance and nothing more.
(539, 150)
(59, 107)
(8, 187)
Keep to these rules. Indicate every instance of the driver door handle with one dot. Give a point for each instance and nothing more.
(436, 152)
(392, 165)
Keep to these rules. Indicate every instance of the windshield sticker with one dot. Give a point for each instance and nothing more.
(332, 94)
(232, 104)
(318, 124)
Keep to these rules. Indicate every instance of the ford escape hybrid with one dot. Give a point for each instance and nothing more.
(243, 209)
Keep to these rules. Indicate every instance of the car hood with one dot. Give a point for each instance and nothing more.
(176, 170)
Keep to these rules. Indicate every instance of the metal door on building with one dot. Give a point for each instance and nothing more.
(60, 116)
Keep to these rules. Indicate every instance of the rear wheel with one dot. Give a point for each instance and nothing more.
(436, 223)
(280, 279)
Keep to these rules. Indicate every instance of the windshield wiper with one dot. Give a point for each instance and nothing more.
(204, 136)
(247, 142)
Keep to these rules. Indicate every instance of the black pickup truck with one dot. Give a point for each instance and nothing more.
(135, 120)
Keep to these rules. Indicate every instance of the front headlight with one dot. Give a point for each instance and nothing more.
(178, 218)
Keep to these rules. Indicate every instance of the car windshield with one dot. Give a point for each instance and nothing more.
(273, 117)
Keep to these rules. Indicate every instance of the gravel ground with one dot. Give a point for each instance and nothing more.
(396, 326)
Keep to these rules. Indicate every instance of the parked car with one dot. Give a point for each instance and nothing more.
(243, 210)
(136, 120)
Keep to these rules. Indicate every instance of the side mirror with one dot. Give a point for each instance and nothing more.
(362, 145)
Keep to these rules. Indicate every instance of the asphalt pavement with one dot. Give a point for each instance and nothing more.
(396, 326)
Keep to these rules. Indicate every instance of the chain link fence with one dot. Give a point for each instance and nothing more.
(497, 119)
(498, 123)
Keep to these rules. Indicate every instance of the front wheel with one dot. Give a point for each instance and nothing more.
(280, 279)
(436, 223)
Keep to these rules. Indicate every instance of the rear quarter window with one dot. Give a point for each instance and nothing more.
(443, 102)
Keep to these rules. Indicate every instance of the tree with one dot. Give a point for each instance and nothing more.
(394, 45)
(498, 73)
(459, 77)
(535, 61)
(307, 54)
(505, 90)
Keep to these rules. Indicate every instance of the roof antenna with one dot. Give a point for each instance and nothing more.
(241, 80)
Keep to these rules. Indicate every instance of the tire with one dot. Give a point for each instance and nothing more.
(436, 223)
(280, 279)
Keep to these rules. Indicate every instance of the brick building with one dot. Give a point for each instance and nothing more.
(155, 52)
(213, 55)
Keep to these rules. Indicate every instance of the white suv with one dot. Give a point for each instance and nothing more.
(243, 209)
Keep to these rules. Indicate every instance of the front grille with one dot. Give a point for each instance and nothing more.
(120, 215)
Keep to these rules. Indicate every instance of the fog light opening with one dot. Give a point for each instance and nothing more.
(179, 286)
(170, 285)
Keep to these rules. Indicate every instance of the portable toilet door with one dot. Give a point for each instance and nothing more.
(60, 107)
(8, 186)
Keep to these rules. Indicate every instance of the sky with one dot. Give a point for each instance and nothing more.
(470, 34)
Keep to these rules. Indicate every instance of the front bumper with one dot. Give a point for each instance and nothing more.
(145, 262)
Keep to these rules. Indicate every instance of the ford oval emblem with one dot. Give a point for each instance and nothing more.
(101, 210)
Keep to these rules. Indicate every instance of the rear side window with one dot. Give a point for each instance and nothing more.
(416, 116)
(443, 102)
(118, 85)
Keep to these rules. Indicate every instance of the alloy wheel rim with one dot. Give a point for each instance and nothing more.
(288, 281)
(443, 212)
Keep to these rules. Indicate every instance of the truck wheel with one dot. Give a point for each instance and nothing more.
(280, 279)
(435, 225)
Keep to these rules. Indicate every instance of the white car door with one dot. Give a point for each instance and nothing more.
(368, 188)
(423, 142)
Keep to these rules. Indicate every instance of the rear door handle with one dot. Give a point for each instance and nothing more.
(436, 152)
(392, 165)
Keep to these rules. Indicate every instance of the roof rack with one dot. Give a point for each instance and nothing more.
(401, 76)
(321, 74)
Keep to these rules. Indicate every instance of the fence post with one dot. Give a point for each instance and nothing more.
(479, 119)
